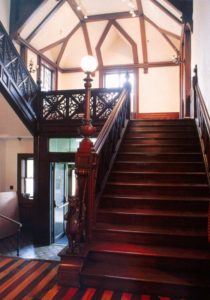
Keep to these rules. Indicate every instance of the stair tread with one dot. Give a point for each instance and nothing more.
(154, 212)
(161, 184)
(158, 172)
(158, 154)
(157, 197)
(159, 163)
(144, 274)
(152, 230)
(150, 250)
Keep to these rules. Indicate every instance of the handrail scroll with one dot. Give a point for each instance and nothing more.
(93, 163)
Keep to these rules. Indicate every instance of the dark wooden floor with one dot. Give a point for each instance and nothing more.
(26, 279)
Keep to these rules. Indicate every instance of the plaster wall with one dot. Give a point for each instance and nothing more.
(201, 46)
(9, 148)
(5, 13)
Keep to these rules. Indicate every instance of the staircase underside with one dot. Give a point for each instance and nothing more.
(150, 234)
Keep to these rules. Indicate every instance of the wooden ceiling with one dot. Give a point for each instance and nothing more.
(61, 33)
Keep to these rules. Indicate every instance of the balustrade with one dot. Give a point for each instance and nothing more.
(202, 118)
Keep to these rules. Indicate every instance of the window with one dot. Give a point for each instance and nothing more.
(47, 77)
(116, 79)
(26, 176)
(65, 144)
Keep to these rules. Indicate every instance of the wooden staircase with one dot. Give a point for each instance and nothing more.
(151, 225)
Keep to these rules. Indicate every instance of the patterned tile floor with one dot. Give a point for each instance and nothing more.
(29, 250)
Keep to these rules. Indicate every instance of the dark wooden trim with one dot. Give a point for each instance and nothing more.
(168, 115)
(170, 42)
(112, 16)
(40, 25)
(24, 53)
(126, 36)
(87, 39)
(143, 42)
(29, 46)
(140, 7)
(161, 29)
(166, 11)
(18, 25)
(78, 13)
(129, 39)
(66, 42)
(100, 42)
(52, 45)
(137, 91)
(127, 66)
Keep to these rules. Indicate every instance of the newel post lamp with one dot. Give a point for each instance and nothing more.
(88, 65)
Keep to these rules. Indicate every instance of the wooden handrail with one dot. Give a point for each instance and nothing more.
(18, 230)
(93, 163)
(109, 123)
(11, 220)
(202, 118)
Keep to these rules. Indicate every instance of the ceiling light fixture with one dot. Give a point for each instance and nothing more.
(81, 8)
(131, 7)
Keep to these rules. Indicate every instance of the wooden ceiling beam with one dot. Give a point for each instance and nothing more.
(78, 13)
(20, 41)
(52, 45)
(126, 67)
(143, 42)
(43, 22)
(111, 16)
(140, 7)
(166, 11)
(87, 39)
(129, 39)
(66, 42)
(176, 36)
(170, 42)
(100, 42)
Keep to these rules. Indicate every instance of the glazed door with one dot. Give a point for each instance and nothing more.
(59, 186)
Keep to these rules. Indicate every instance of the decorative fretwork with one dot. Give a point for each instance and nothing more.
(60, 105)
(15, 78)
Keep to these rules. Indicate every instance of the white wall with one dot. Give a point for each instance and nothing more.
(159, 90)
(9, 148)
(68, 81)
(5, 13)
(201, 46)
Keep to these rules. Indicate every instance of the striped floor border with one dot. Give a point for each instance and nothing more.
(22, 279)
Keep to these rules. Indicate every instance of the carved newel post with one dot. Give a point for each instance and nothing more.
(81, 207)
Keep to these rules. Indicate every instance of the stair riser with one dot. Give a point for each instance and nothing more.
(143, 287)
(159, 148)
(156, 190)
(155, 123)
(158, 167)
(158, 178)
(152, 220)
(159, 157)
(161, 262)
(156, 142)
(181, 205)
(174, 135)
(151, 239)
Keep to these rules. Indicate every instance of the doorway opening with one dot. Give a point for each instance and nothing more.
(62, 187)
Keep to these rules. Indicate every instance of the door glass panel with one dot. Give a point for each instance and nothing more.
(59, 199)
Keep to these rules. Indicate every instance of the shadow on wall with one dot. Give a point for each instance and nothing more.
(8, 208)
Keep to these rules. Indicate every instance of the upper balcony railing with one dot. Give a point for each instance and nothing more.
(69, 104)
